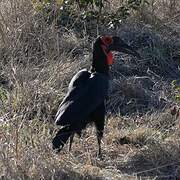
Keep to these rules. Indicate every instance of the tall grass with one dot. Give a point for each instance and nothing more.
(37, 60)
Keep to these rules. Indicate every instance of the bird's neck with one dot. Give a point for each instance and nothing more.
(99, 65)
(99, 70)
(99, 61)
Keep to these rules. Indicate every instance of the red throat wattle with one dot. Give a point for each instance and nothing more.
(106, 40)
(109, 58)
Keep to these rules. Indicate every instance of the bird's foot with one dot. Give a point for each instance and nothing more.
(100, 156)
(57, 150)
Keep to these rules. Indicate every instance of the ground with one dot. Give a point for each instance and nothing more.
(141, 137)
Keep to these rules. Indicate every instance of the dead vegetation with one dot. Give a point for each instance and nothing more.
(37, 61)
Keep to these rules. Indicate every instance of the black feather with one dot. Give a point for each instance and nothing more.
(82, 99)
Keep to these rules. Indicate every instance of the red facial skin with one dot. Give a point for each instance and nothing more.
(107, 40)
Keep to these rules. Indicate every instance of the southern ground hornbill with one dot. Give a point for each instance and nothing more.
(85, 100)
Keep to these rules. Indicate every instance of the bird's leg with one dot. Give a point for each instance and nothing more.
(99, 138)
(98, 117)
(70, 141)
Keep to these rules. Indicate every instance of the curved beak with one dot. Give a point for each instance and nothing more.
(120, 46)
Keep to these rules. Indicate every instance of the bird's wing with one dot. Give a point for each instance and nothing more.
(79, 78)
(76, 83)
(82, 100)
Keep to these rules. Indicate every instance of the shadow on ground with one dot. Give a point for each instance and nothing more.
(155, 160)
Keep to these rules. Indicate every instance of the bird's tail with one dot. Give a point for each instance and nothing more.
(61, 138)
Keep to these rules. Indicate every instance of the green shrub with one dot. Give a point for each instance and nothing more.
(3, 94)
(87, 10)
(176, 89)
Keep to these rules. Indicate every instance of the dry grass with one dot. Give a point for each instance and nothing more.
(26, 152)
(37, 61)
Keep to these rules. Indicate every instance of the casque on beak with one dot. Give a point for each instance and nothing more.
(120, 46)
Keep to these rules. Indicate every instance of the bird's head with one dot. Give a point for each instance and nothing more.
(102, 52)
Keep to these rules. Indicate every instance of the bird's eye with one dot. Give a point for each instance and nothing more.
(107, 40)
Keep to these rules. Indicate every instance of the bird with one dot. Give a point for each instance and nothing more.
(84, 102)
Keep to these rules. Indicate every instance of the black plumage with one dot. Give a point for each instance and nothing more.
(82, 99)
(85, 99)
